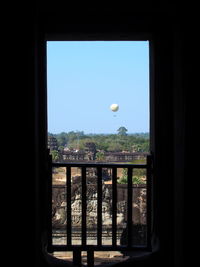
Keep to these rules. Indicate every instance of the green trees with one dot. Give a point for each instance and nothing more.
(100, 156)
(137, 179)
(105, 142)
(122, 131)
(55, 155)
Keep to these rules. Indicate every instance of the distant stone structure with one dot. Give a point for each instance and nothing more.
(68, 156)
(90, 150)
(124, 156)
(52, 143)
(90, 155)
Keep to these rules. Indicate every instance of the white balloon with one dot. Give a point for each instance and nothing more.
(114, 107)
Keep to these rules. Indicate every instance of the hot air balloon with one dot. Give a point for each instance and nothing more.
(114, 107)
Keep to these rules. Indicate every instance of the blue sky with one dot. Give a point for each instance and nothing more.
(85, 78)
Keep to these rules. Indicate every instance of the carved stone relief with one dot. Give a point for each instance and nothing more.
(59, 206)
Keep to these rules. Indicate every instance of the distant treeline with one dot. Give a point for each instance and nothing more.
(138, 142)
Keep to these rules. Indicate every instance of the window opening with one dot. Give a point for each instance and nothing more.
(98, 138)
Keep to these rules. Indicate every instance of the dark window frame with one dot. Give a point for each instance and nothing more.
(160, 79)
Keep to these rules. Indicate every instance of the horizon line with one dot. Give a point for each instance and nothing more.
(98, 133)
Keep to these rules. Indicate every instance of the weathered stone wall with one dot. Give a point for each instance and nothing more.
(109, 156)
(59, 206)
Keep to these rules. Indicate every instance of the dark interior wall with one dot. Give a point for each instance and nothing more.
(179, 148)
(172, 108)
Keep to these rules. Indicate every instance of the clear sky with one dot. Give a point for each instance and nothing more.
(84, 78)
